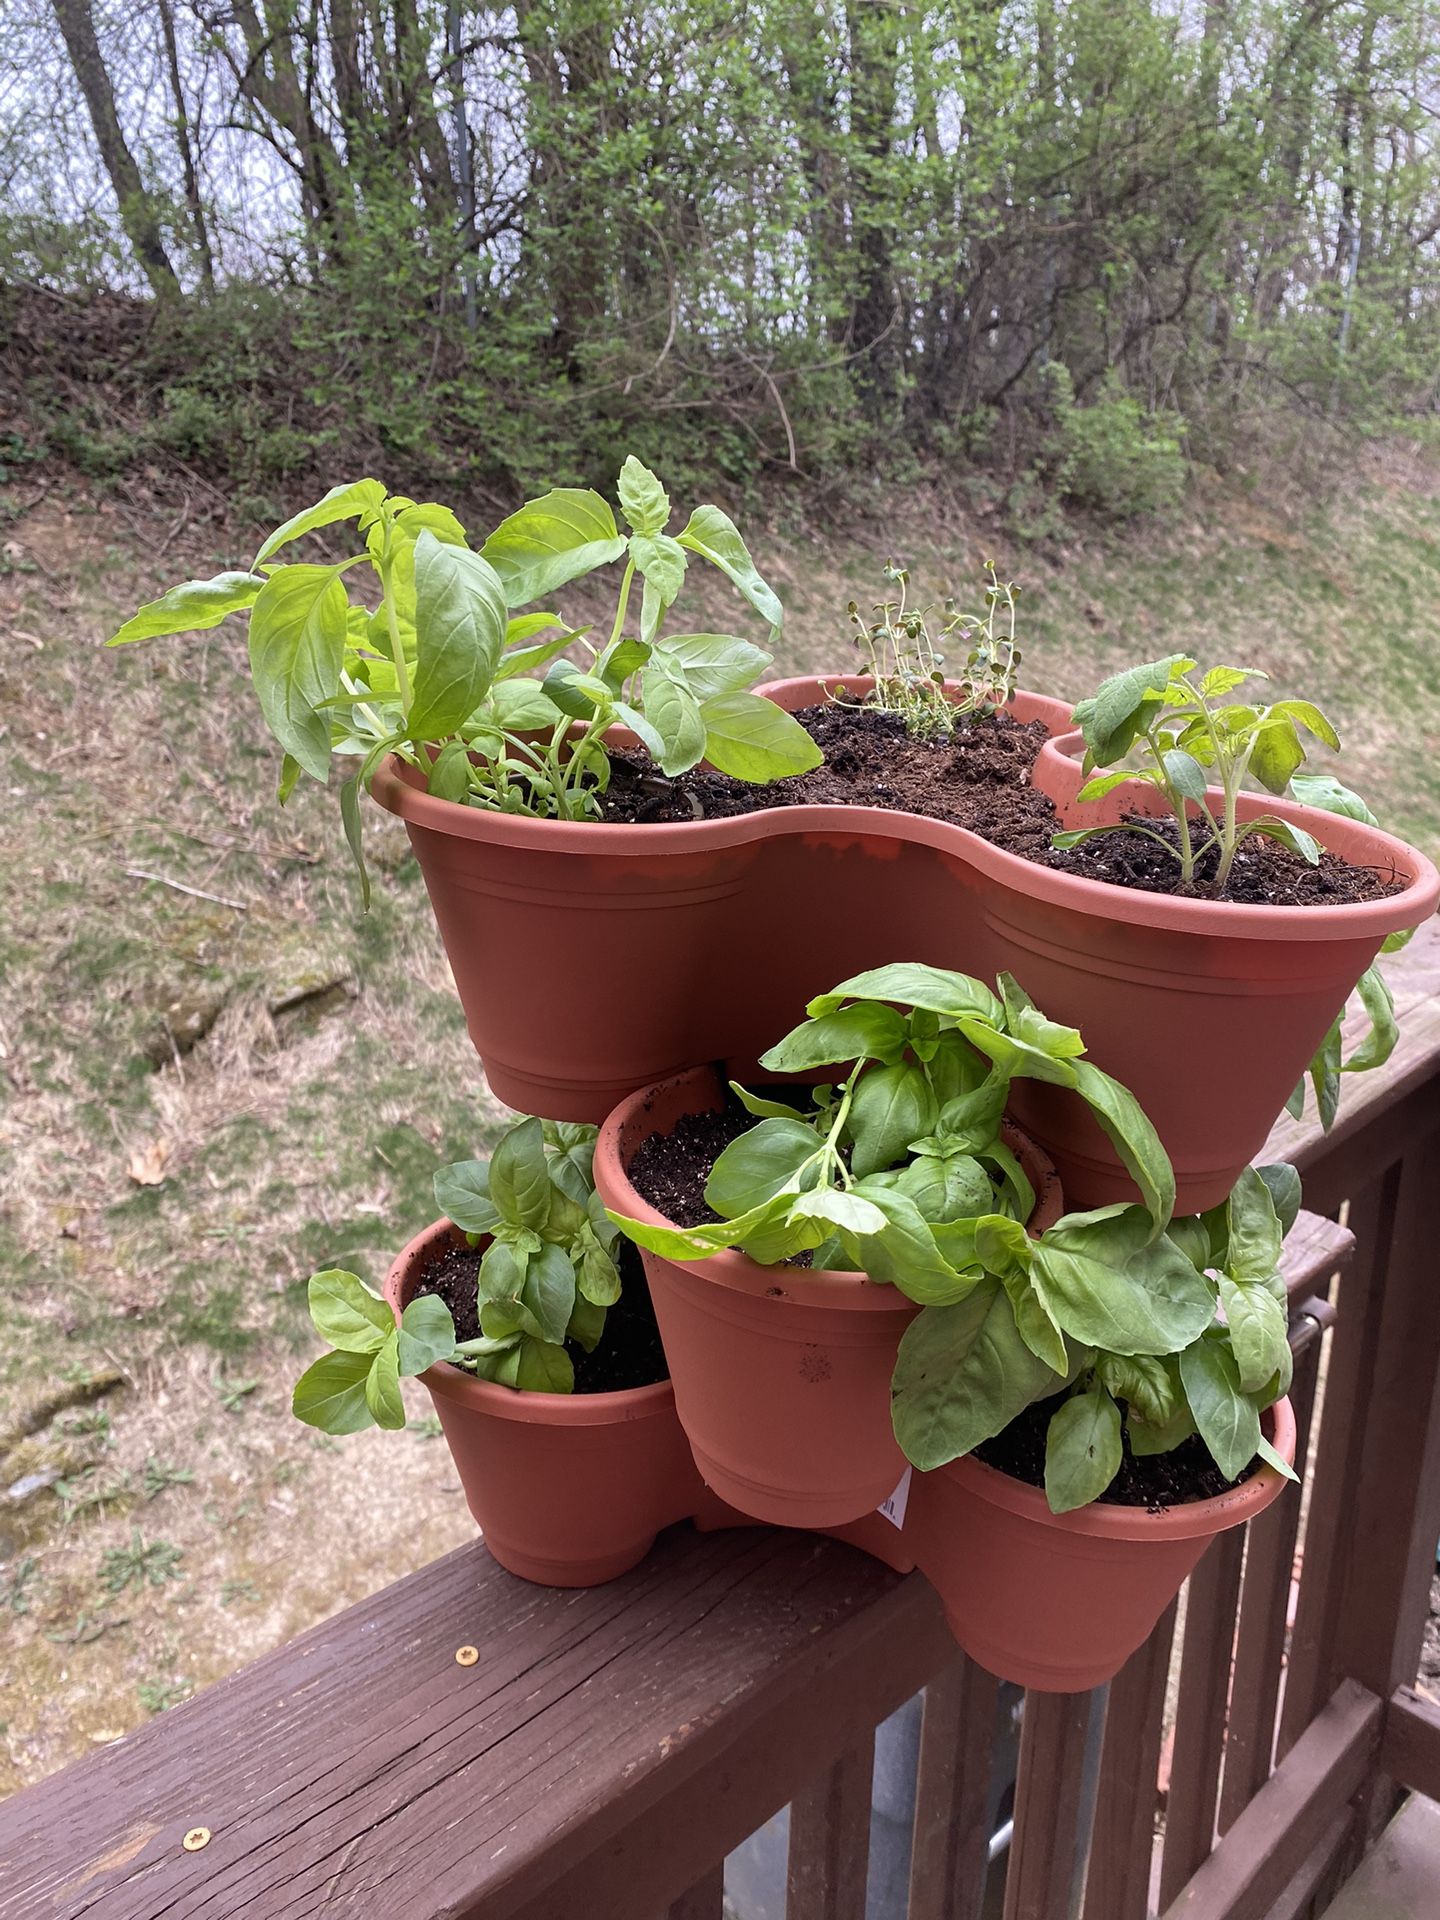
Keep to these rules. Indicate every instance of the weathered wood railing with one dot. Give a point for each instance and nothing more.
(609, 1748)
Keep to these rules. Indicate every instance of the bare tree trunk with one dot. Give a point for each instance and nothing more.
(183, 141)
(137, 214)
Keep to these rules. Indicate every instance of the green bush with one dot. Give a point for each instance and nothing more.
(1111, 455)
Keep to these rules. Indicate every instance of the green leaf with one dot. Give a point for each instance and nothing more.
(713, 663)
(520, 1176)
(697, 1243)
(1259, 1335)
(851, 1211)
(955, 1187)
(1226, 1420)
(1130, 1132)
(1379, 1043)
(645, 503)
(1034, 1323)
(1304, 713)
(1219, 681)
(1323, 790)
(449, 776)
(355, 500)
(191, 607)
(750, 738)
(1108, 1283)
(1185, 775)
(761, 1163)
(1325, 1076)
(1294, 839)
(961, 1375)
(649, 737)
(460, 627)
(587, 1324)
(1273, 1458)
(674, 712)
(549, 1292)
(382, 1386)
(518, 659)
(904, 1254)
(1114, 717)
(764, 1109)
(913, 985)
(867, 1030)
(355, 833)
(1017, 1059)
(297, 647)
(1146, 1439)
(427, 1334)
(890, 1107)
(347, 1313)
(331, 1394)
(544, 1369)
(1083, 1450)
(290, 772)
(429, 514)
(596, 1275)
(715, 537)
(1146, 1384)
(1276, 752)
(1253, 1231)
(1285, 1192)
(1104, 783)
(661, 561)
(502, 1271)
(551, 541)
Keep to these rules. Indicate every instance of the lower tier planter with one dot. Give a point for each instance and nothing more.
(1059, 1601)
(781, 1374)
(568, 1489)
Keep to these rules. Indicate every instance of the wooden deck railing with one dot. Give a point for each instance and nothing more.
(609, 1748)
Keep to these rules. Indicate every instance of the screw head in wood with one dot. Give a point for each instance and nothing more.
(466, 1656)
(195, 1839)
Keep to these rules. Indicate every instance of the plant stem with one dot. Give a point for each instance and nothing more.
(623, 607)
(392, 621)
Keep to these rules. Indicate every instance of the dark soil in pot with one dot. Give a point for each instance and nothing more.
(629, 1353)
(670, 1169)
(1153, 1481)
(979, 779)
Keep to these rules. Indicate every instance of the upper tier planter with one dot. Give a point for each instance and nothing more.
(594, 959)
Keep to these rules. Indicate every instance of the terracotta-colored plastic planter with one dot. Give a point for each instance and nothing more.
(1249, 991)
(781, 1374)
(568, 1489)
(674, 930)
(1059, 1601)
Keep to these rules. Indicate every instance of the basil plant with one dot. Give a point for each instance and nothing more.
(899, 1170)
(447, 673)
(546, 1278)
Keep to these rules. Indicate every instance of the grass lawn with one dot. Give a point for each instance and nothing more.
(205, 1095)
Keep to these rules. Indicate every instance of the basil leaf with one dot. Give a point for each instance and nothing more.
(191, 607)
(543, 1368)
(297, 647)
(426, 1334)
(890, 1107)
(358, 499)
(347, 1313)
(865, 1031)
(520, 1176)
(762, 1163)
(674, 712)
(1110, 1285)
(1226, 1420)
(1129, 1131)
(552, 541)
(1147, 1385)
(1258, 1329)
(382, 1386)
(460, 629)
(1083, 1450)
(330, 1394)
(713, 663)
(962, 1374)
(715, 537)
(645, 503)
(913, 985)
(751, 738)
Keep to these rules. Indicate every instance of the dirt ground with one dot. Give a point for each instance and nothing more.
(206, 1094)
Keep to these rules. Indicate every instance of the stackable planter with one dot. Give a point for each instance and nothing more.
(568, 1489)
(781, 1374)
(1059, 1601)
(1249, 990)
(670, 929)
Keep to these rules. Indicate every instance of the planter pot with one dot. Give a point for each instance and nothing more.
(1251, 989)
(781, 1375)
(1059, 1601)
(671, 929)
(568, 1489)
